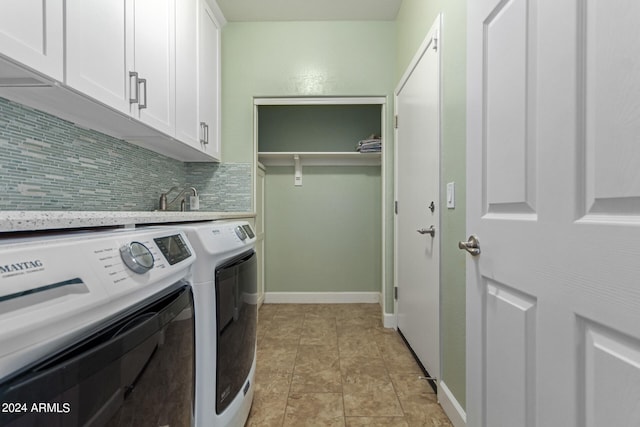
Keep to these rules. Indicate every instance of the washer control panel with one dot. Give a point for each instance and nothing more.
(132, 259)
(137, 257)
(173, 248)
(55, 285)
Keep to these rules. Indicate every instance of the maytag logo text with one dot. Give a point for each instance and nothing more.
(20, 266)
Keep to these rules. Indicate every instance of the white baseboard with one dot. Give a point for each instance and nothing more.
(451, 407)
(321, 297)
(389, 321)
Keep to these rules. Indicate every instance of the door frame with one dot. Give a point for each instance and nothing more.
(433, 34)
(260, 170)
(386, 198)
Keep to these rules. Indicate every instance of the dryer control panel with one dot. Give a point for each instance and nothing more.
(242, 235)
(213, 242)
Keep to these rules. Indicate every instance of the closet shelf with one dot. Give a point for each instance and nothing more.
(341, 158)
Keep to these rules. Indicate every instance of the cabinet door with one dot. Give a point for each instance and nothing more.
(100, 50)
(154, 47)
(187, 124)
(31, 34)
(209, 76)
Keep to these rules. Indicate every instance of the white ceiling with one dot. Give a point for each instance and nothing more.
(309, 10)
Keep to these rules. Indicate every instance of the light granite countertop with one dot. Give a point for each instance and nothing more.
(55, 220)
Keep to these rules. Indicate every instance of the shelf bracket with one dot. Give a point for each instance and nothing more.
(297, 176)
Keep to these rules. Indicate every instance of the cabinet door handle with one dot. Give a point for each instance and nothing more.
(143, 104)
(133, 88)
(206, 133)
(203, 135)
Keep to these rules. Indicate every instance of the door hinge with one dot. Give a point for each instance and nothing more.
(435, 41)
(395, 121)
(395, 207)
(395, 292)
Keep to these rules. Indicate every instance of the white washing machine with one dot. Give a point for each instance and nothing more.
(226, 304)
(97, 328)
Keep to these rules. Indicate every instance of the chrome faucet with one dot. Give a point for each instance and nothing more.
(163, 205)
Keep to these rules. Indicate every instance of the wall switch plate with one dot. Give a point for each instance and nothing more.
(451, 195)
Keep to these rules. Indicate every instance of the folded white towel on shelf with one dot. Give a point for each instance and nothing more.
(369, 145)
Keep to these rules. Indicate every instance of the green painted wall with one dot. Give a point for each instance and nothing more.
(290, 59)
(316, 127)
(413, 22)
(328, 237)
(271, 59)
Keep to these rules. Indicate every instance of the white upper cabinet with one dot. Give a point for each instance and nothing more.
(155, 63)
(147, 71)
(209, 78)
(198, 76)
(122, 53)
(31, 33)
(187, 124)
(100, 50)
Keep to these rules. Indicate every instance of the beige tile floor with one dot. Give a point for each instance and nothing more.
(335, 365)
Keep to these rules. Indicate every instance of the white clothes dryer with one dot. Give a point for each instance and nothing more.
(226, 303)
(97, 329)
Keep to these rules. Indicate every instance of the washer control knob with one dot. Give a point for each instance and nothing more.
(137, 257)
(240, 232)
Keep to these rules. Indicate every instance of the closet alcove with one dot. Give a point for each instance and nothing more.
(322, 201)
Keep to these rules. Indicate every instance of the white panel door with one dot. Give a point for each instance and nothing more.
(154, 44)
(31, 33)
(99, 47)
(553, 195)
(417, 193)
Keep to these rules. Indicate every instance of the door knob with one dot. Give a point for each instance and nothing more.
(472, 245)
(431, 230)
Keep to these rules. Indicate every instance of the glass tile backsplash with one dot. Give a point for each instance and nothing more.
(50, 164)
(226, 186)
